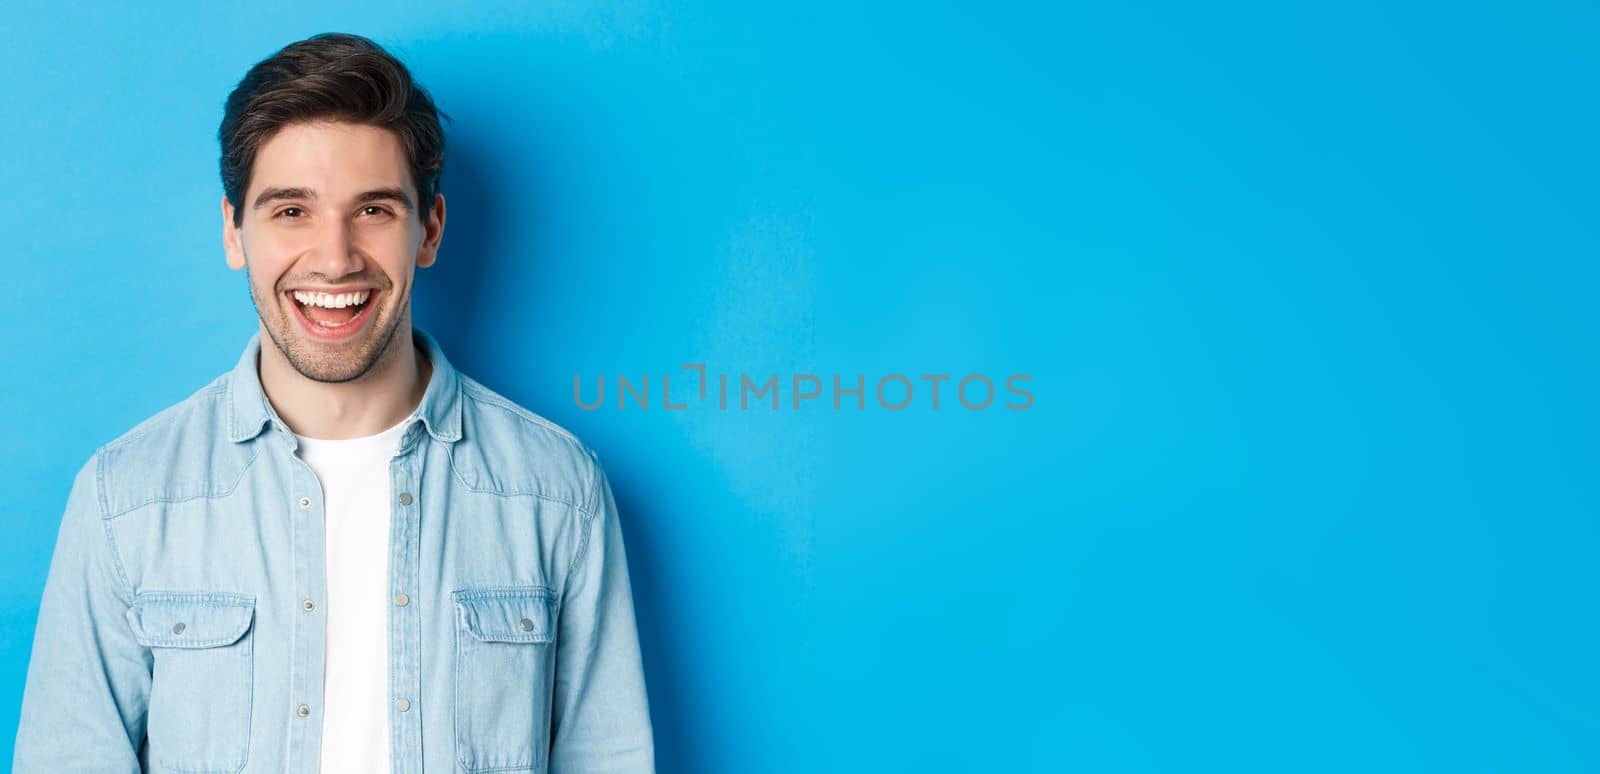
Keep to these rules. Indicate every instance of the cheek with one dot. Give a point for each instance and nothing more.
(271, 249)
(278, 244)
(392, 257)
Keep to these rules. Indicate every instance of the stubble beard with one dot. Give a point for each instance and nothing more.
(317, 361)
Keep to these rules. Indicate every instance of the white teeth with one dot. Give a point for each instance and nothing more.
(332, 300)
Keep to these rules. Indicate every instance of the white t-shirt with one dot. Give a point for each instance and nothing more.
(355, 489)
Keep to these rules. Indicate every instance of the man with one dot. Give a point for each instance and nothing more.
(343, 555)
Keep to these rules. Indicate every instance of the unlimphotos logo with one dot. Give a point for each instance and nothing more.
(894, 392)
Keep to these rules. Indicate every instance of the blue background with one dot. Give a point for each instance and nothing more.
(1308, 482)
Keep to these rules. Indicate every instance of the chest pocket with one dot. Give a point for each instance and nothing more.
(201, 680)
(505, 657)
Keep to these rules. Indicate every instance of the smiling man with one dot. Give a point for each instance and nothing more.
(343, 555)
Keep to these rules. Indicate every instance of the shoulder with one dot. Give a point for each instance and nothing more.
(179, 453)
(508, 450)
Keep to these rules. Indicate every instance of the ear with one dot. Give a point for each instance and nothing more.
(432, 233)
(230, 236)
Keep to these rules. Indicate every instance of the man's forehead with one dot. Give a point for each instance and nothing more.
(330, 160)
(312, 147)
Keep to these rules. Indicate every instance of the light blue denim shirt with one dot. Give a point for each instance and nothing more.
(181, 628)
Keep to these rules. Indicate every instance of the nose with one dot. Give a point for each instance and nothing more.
(334, 253)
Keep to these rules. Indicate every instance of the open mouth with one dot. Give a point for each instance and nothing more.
(333, 315)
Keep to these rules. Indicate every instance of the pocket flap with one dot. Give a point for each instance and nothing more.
(190, 619)
(509, 614)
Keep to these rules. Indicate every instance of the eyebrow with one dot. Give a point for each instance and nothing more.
(394, 195)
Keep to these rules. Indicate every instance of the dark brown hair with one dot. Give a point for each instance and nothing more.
(332, 76)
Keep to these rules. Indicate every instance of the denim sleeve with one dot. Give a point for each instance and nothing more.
(601, 720)
(83, 707)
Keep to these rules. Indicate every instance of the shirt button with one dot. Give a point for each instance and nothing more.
(303, 711)
(402, 705)
(305, 502)
(401, 599)
(405, 498)
(309, 605)
(177, 628)
(527, 625)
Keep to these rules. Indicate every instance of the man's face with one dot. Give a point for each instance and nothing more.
(330, 241)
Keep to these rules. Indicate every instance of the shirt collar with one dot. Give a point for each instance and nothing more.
(440, 409)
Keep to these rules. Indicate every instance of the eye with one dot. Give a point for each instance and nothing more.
(285, 212)
(376, 211)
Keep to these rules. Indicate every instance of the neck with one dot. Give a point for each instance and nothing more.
(369, 404)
